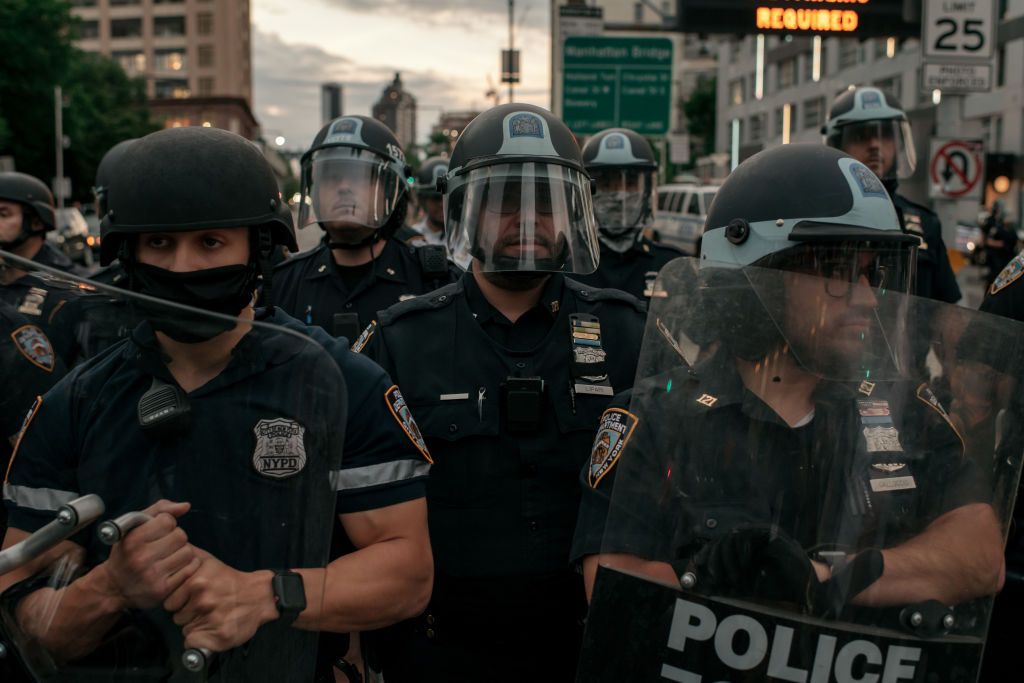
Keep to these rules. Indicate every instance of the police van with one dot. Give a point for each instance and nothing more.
(682, 209)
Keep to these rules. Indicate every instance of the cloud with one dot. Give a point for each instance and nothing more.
(530, 14)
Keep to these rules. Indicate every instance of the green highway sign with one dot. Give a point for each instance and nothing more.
(616, 82)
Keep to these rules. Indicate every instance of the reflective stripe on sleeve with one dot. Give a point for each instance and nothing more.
(38, 499)
(377, 475)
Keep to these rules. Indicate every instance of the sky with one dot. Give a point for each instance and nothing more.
(444, 49)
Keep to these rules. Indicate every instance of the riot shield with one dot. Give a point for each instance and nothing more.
(205, 467)
(812, 481)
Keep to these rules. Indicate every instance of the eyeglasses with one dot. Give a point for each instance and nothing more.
(841, 276)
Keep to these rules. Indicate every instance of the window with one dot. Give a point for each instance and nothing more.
(206, 55)
(893, 85)
(204, 23)
(777, 122)
(849, 51)
(167, 88)
(88, 29)
(126, 28)
(168, 2)
(708, 198)
(169, 26)
(169, 60)
(734, 50)
(757, 127)
(736, 91)
(780, 117)
(115, 3)
(1001, 67)
(787, 73)
(132, 61)
(693, 204)
(814, 112)
(206, 86)
(677, 202)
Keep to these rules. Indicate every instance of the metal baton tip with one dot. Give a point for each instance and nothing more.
(948, 621)
(688, 580)
(113, 530)
(67, 516)
(195, 659)
(109, 533)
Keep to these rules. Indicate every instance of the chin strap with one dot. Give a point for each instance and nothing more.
(264, 253)
(26, 233)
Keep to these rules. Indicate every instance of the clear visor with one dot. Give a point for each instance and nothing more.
(885, 146)
(623, 199)
(523, 217)
(344, 187)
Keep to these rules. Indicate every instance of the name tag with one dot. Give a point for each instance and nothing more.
(594, 389)
(454, 397)
(892, 484)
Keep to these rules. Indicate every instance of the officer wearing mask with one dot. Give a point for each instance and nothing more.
(430, 201)
(507, 370)
(354, 187)
(625, 175)
(228, 433)
(869, 125)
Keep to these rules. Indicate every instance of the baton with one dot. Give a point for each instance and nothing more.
(114, 530)
(72, 517)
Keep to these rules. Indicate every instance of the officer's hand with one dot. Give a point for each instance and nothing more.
(153, 559)
(757, 562)
(220, 608)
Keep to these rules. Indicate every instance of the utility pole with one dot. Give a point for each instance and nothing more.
(58, 122)
(511, 47)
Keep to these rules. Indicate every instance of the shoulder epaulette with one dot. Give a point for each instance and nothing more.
(439, 298)
(296, 258)
(586, 293)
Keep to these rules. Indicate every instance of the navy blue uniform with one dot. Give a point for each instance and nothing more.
(310, 287)
(260, 459)
(508, 411)
(935, 277)
(633, 271)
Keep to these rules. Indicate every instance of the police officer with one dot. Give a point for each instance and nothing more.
(869, 125)
(769, 467)
(27, 214)
(238, 421)
(429, 200)
(508, 396)
(625, 173)
(354, 187)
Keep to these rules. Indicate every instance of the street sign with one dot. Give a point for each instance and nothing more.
(956, 169)
(954, 30)
(957, 78)
(849, 18)
(616, 82)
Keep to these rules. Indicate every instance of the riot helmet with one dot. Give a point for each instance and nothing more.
(805, 209)
(36, 202)
(517, 197)
(187, 180)
(354, 182)
(428, 196)
(868, 124)
(624, 170)
(105, 171)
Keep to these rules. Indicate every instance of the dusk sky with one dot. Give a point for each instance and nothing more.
(445, 51)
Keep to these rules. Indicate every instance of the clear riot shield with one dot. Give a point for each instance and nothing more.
(813, 482)
(204, 468)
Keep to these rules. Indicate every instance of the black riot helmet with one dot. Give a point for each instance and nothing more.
(517, 197)
(805, 208)
(35, 199)
(430, 171)
(104, 173)
(354, 176)
(869, 124)
(624, 170)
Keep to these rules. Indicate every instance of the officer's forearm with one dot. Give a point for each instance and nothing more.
(373, 587)
(71, 622)
(957, 558)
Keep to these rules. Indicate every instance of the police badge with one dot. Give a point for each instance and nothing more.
(525, 124)
(615, 141)
(32, 343)
(280, 448)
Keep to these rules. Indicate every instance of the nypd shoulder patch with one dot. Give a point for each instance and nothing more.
(926, 396)
(280, 448)
(360, 343)
(34, 345)
(400, 410)
(616, 428)
(1011, 273)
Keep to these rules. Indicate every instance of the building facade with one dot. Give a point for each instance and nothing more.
(194, 55)
(396, 108)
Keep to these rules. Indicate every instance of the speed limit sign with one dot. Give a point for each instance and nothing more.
(958, 30)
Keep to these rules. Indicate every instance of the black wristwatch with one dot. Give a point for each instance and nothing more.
(289, 594)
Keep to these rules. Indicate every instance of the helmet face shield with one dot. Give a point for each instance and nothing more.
(347, 187)
(883, 145)
(525, 216)
(843, 266)
(623, 199)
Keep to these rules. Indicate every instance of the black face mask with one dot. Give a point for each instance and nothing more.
(226, 290)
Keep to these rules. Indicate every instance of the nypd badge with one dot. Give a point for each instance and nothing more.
(616, 428)
(870, 185)
(615, 141)
(280, 448)
(400, 410)
(364, 338)
(525, 124)
(882, 439)
(32, 343)
(1008, 275)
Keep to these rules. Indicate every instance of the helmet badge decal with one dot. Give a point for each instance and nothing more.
(525, 124)
(344, 130)
(615, 141)
(871, 100)
(867, 181)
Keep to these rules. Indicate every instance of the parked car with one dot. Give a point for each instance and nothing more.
(682, 209)
(71, 236)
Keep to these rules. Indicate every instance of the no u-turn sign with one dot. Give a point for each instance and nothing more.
(956, 169)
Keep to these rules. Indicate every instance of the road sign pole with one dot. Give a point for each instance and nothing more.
(948, 117)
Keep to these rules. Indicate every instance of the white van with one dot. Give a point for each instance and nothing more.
(682, 209)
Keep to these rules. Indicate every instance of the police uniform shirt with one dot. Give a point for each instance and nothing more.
(730, 460)
(49, 255)
(501, 503)
(935, 276)
(634, 271)
(53, 307)
(310, 286)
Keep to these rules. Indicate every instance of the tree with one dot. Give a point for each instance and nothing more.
(103, 106)
(700, 115)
